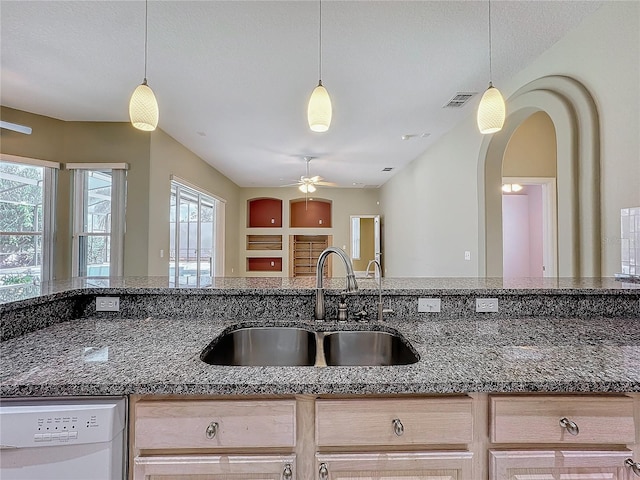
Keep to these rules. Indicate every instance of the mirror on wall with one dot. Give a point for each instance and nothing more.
(364, 243)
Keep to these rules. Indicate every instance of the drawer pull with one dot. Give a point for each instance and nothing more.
(287, 474)
(634, 466)
(323, 472)
(398, 428)
(572, 427)
(212, 430)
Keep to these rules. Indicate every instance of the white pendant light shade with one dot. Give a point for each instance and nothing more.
(307, 188)
(491, 111)
(143, 108)
(319, 110)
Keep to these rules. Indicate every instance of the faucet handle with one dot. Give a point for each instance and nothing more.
(362, 315)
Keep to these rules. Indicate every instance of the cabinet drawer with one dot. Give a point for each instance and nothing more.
(185, 424)
(371, 422)
(536, 419)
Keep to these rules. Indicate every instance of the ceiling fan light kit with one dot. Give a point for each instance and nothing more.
(492, 109)
(143, 106)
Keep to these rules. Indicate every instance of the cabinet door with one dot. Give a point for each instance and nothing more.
(558, 465)
(214, 467)
(454, 465)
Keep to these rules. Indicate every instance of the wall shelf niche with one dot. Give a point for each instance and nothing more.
(264, 213)
(264, 242)
(304, 251)
(264, 264)
(307, 213)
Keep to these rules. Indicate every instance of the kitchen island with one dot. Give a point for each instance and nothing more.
(558, 336)
(493, 395)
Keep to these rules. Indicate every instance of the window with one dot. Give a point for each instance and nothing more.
(355, 238)
(27, 194)
(196, 250)
(98, 219)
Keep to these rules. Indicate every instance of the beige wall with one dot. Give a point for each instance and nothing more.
(531, 151)
(152, 159)
(431, 205)
(168, 157)
(345, 202)
(86, 142)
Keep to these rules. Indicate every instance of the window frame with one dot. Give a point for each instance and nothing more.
(49, 196)
(117, 228)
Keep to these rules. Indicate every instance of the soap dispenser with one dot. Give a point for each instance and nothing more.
(342, 308)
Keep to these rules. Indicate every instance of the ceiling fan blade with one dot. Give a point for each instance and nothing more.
(316, 179)
(327, 184)
(15, 127)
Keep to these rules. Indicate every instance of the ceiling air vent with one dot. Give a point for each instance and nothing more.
(387, 169)
(459, 99)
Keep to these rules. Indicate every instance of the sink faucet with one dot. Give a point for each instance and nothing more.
(381, 309)
(352, 285)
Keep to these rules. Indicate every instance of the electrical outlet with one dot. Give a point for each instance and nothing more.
(486, 304)
(107, 304)
(429, 305)
(467, 255)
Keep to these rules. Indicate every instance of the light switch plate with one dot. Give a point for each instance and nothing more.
(431, 305)
(107, 304)
(486, 304)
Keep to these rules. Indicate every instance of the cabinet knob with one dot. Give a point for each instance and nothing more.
(212, 430)
(287, 474)
(634, 466)
(323, 472)
(572, 427)
(398, 428)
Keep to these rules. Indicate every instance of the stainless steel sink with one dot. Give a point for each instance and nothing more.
(262, 346)
(366, 348)
(286, 346)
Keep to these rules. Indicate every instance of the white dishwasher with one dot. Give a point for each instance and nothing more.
(56, 439)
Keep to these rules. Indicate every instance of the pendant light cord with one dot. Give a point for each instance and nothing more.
(490, 55)
(320, 47)
(146, 16)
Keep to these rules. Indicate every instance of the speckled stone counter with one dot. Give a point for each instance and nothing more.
(553, 336)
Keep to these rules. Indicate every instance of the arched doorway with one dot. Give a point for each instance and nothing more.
(574, 115)
(529, 207)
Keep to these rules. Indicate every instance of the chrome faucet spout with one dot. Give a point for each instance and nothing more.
(351, 284)
(381, 309)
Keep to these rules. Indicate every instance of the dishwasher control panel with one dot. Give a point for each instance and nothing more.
(40, 423)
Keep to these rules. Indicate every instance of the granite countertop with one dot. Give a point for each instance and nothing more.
(32, 294)
(161, 356)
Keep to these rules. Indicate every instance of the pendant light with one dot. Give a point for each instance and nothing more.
(143, 107)
(491, 111)
(319, 109)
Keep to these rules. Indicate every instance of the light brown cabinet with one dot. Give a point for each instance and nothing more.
(456, 437)
(409, 437)
(182, 439)
(561, 437)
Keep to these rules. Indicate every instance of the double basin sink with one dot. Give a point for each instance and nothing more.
(288, 346)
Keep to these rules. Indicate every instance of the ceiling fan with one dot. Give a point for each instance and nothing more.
(307, 184)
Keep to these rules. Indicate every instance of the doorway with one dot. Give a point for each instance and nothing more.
(529, 244)
(565, 101)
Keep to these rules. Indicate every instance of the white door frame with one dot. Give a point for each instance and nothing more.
(549, 220)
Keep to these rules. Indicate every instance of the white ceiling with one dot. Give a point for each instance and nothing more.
(232, 78)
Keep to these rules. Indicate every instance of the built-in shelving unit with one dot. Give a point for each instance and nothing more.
(264, 242)
(304, 251)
